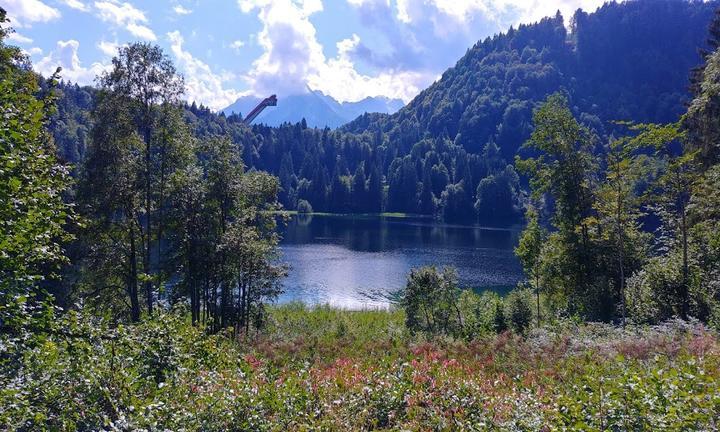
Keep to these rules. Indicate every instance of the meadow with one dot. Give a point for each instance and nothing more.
(329, 369)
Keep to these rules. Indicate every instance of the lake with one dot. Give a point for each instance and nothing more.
(359, 261)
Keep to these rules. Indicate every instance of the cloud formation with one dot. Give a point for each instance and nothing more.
(428, 36)
(293, 60)
(65, 55)
(17, 37)
(23, 13)
(201, 83)
(32, 51)
(110, 49)
(391, 48)
(76, 4)
(127, 16)
(180, 10)
(423, 38)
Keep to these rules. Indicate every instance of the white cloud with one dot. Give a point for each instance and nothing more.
(127, 16)
(17, 37)
(76, 4)
(236, 45)
(32, 51)
(141, 31)
(110, 49)
(180, 10)
(202, 84)
(293, 60)
(65, 55)
(527, 11)
(339, 78)
(23, 13)
(291, 50)
(306, 7)
(358, 3)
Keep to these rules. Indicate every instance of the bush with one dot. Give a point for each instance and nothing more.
(520, 312)
(431, 301)
(499, 321)
(304, 207)
(478, 312)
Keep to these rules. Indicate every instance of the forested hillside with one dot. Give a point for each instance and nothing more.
(449, 152)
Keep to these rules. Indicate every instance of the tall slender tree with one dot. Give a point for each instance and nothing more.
(618, 205)
(529, 251)
(138, 139)
(143, 81)
(563, 169)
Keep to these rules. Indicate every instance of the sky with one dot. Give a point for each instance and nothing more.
(225, 49)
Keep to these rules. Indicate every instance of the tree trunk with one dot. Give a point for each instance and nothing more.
(621, 263)
(161, 214)
(148, 210)
(192, 284)
(685, 288)
(206, 309)
(537, 298)
(132, 282)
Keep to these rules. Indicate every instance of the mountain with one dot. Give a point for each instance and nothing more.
(625, 61)
(318, 109)
(449, 152)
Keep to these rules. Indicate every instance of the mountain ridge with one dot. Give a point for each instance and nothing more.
(318, 109)
(449, 151)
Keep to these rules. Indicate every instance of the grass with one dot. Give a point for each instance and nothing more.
(328, 369)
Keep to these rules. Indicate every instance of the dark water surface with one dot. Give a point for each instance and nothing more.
(358, 261)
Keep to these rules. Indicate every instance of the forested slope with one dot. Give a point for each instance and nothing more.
(449, 151)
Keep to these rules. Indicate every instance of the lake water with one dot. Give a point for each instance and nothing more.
(359, 261)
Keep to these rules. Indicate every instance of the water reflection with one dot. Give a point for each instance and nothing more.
(341, 259)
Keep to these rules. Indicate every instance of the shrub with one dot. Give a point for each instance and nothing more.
(478, 312)
(499, 321)
(431, 301)
(304, 207)
(520, 312)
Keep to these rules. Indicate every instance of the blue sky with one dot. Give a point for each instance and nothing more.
(349, 49)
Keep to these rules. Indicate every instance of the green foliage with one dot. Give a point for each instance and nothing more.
(499, 320)
(32, 182)
(478, 312)
(701, 118)
(498, 197)
(529, 252)
(520, 314)
(302, 373)
(564, 170)
(164, 206)
(139, 139)
(430, 300)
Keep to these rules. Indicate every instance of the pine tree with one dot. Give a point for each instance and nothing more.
(375, 191)
(359, 191)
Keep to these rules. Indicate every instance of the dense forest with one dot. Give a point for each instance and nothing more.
(449, 152)
(136, 283)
